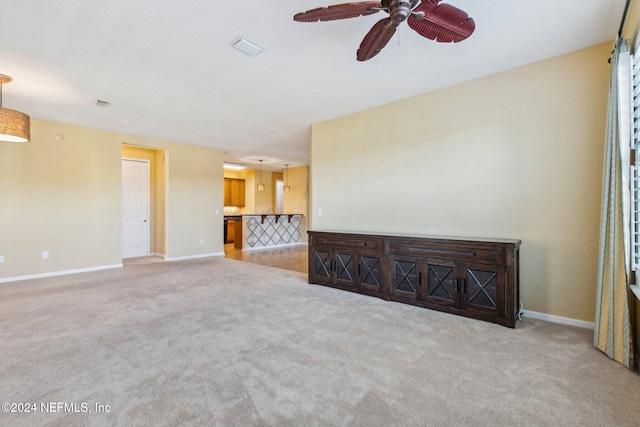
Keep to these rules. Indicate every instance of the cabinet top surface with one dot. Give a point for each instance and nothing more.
(239, 216)
(271, 214)
(515, 242)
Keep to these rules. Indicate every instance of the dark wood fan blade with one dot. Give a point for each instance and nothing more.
(338, 11)
(376, 39)
(442, 22)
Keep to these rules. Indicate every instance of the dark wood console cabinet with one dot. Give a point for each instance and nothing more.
(468, 277)
(353, 264)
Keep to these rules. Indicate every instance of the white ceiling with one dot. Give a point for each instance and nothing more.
(169, 71)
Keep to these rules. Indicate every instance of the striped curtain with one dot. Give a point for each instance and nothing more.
(612, 333)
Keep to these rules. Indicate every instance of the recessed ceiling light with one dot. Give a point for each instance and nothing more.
(245, 46)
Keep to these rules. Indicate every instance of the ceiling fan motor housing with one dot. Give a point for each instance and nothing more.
(400, 10)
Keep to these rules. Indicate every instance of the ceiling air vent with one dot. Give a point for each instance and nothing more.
(101, 103)
(246, 46)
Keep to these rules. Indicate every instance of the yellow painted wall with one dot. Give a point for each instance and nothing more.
(195, 201)
(249, 191)
(632, 23)
(513, 155)
(60, 197)
(161, 202)
(264, 198)
(64, 197)
(296, 200)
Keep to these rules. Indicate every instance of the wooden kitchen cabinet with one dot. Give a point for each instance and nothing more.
(473, 278)
(237, 193)
(234, 192)
(227, 191)
(231, 230)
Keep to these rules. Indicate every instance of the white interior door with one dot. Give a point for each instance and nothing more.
(135, 208)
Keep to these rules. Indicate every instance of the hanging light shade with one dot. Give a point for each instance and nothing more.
(14, 125)
(286, 178)
(260, 184)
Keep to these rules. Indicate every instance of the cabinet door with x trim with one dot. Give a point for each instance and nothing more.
(321, 266)
(483, 288)
(470, 287)
(344, 264)
(334, 267)
(371, 274)
(441, 283)
(348, 269)
(452, 286)
(405, 278)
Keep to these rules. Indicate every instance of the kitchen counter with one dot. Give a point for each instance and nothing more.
(230, 227)
(266, 231)
(262, 214)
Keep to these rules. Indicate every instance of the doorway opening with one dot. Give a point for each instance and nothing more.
(140, 238)
(279, 197)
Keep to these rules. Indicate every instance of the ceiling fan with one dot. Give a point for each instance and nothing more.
(431, 19)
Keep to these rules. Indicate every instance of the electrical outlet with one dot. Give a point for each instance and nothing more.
(1, 259)
(45, 254)
(319, 212)
(202, 241)
(217, 211)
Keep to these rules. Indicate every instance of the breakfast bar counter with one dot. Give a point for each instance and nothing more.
(262, 231)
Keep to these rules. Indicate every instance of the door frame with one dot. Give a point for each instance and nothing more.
(132, 159)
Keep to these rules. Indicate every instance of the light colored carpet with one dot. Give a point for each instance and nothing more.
(221, 342)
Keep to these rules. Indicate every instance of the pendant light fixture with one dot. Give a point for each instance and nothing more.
(286, 178)
(260, 184)
(14, 125)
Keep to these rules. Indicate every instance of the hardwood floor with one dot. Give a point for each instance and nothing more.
(294, 258)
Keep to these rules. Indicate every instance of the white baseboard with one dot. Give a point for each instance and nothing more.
(58, 273)
(636, 290)
(181, 258)
(285, 245)
(558, 319)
